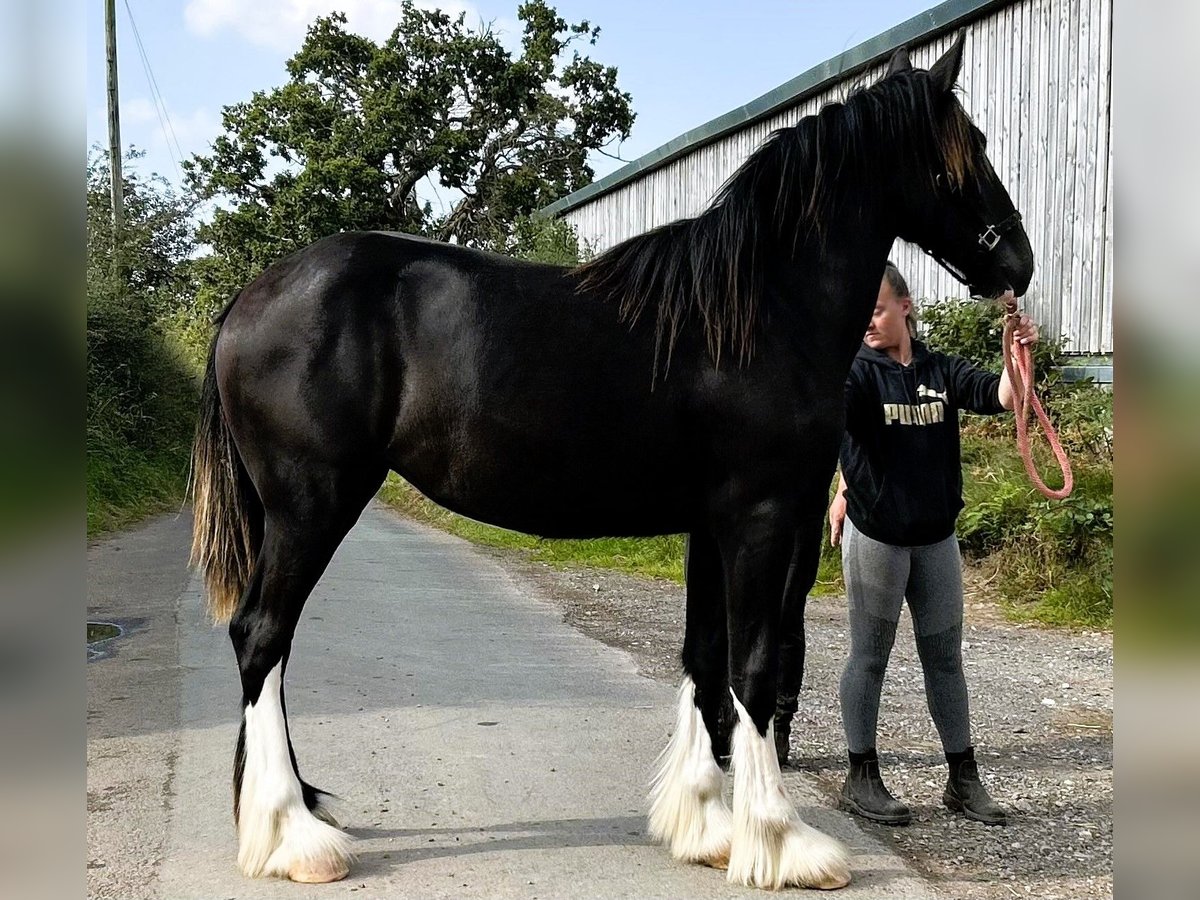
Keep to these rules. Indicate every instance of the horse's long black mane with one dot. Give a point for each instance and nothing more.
(714, 266)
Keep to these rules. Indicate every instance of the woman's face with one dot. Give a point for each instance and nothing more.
(889, 326)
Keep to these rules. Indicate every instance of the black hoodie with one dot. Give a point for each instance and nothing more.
(900, 456)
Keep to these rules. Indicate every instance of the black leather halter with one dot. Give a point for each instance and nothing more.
(988, 239)
(993, 233)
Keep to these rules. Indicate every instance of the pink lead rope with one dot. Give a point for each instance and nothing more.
(1020, 375)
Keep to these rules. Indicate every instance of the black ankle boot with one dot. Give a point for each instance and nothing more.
(966, 794)
(865, 794)
(783, 734)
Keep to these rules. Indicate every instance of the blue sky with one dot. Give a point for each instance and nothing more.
(684, 62)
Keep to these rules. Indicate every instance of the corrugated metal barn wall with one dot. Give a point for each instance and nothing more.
(1036, 79)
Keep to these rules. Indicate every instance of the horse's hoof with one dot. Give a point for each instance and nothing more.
(311, 873)
(834, 882)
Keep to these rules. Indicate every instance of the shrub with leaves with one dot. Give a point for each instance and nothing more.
(972, 329)
(544, 240)
(140, 389)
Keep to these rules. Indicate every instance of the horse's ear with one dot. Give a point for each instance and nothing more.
(898, 63)
(944, 72)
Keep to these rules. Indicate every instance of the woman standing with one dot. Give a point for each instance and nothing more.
(894, 513)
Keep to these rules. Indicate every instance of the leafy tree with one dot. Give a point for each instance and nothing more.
(544, 240)
(140, 388)
(143, 276)
(358, 125)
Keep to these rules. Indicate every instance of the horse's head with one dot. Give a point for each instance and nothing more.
(954, 205)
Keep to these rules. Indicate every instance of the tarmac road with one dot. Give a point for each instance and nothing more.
(482, 747)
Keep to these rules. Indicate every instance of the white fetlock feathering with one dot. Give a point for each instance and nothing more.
(687, 809)
(324, 811)
(277, 835)
(771, 847)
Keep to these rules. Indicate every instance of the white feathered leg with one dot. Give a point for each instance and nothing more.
(771, 847)
(277, 835)
(687, 811)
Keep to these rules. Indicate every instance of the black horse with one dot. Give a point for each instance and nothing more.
(688, 380)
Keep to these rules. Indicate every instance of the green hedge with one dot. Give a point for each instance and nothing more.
(144, 349)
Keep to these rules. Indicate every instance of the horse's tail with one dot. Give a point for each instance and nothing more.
(227, 512)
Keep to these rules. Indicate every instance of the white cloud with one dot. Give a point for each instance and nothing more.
(142, 125)
(281, 24)
(197, 129)
(137, 111)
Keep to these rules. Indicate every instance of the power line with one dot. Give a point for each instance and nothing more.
(160, 105)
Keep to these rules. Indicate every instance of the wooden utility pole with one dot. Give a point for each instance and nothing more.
(114, 120)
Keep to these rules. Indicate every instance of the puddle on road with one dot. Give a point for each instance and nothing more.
(101, 631)
(98, 635)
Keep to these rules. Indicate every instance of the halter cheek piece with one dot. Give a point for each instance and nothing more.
(993, 233)
(988, 239)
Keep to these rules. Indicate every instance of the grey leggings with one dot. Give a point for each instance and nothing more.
(878, 579)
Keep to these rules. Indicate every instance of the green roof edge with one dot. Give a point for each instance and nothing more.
(921, 27)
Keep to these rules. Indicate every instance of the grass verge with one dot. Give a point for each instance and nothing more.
(1056, 558)
(139, 431)
(126, 484)
(656, 557)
